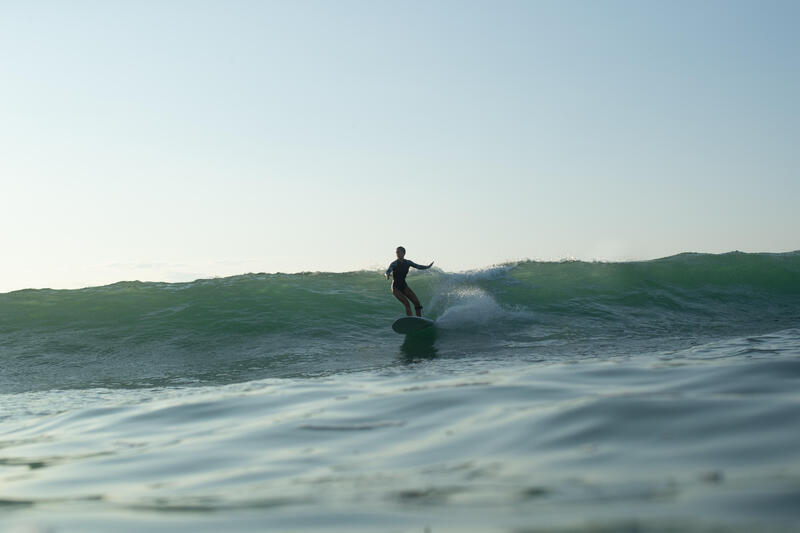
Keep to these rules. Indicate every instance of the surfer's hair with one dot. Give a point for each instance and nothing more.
(401, 249)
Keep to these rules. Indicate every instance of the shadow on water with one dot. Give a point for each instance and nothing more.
(419, 345)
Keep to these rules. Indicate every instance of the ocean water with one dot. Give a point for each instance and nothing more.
(550, 396)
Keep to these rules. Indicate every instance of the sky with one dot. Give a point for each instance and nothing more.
(175, 140)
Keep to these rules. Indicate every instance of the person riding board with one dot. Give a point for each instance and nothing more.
(399, 270)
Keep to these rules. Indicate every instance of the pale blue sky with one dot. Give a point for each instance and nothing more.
(181, 139)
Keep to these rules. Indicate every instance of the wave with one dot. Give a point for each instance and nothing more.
(307, 323)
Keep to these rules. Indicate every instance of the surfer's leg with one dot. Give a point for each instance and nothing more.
(400, 296)
(415, 300)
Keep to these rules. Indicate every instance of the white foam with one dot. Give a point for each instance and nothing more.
(469, 307)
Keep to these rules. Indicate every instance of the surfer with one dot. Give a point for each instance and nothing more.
(399, 270)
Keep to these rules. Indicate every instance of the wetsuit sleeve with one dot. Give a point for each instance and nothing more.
(419, 267)
(391, 267)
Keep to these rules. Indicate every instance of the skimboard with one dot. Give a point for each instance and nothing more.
(410, 324)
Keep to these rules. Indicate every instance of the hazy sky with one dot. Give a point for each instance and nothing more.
(170, 140)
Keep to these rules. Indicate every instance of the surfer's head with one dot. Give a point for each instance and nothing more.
(401, 252)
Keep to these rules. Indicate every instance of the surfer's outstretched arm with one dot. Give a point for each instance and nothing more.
(419, 267)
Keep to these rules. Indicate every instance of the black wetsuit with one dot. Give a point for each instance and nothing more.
(399, 271)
